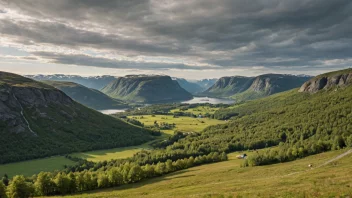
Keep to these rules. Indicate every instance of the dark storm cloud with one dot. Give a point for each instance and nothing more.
(227, 33)
(81, 59)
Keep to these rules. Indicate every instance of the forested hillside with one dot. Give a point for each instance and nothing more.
(89, 97)
(146, 89)
(37, 120)
(243, 88)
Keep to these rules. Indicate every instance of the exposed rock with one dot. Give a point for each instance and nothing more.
(327, 81)
(146, 89)
(228, 86)
(15, 98)
(246, 88)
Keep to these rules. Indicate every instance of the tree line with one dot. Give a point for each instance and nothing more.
(62, 183)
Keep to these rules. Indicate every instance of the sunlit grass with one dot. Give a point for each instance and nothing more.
(183, 123)
(28, 168)
(228, 179)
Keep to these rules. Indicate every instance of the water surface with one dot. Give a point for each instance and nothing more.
(112, 111)
(196, 100)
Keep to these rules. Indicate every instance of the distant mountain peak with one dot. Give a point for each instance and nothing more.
(146, 89)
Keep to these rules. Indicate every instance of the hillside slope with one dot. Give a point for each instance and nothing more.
(326, 81)
(37, 120)
(243, 88)
(228, 179)
(206, 83)
(146, 89)
(191, 87)
(268, 84)
(228, 86)
(89, 97)
(94, 82)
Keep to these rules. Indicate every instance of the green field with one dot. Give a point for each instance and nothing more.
(108, 154)
(228, 179)
(29, 168)
(199, 110)
(183, 123)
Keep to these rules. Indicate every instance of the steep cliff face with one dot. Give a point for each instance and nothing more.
(228, 86)
(38, 120)
(89, 97)
(146, 89)
(329, 80)
(17, 94)
(274, 83)
(248, 88)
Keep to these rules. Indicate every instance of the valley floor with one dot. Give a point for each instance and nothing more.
(228, 179)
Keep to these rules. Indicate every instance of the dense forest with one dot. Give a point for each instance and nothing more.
(299, 123)
(61, 183)
(164, 109)
(37, 120)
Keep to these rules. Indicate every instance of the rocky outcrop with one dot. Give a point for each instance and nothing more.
(327, 81)
(15, 99)
(244, 88)
(146, 89)
(228, 86)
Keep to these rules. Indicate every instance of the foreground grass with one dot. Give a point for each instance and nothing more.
(228, 179)
(183, 123)
(29, 168)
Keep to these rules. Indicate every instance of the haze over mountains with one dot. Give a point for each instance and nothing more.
(89, 97)
(133, 88)
(94, 82)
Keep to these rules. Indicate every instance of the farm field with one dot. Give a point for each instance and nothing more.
(228, 179)
(31, 167)
(198, 110)
(183, 123)
(108, 154)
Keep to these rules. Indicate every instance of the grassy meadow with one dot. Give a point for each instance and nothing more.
(183, 123)
(198, 110)
(228, 179)
(108, 154)
(31, 167)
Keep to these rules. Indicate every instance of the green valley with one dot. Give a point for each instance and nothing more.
(89, 97)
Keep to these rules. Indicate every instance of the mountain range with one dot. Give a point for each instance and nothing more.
(87, 96)
(146, 89)
(94, 82)
(38, 120)
(246, 88)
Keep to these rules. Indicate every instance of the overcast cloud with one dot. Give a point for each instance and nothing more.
(307, 36)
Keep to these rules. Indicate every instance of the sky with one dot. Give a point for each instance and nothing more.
(192, 39)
